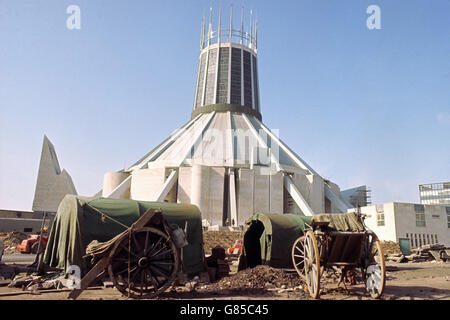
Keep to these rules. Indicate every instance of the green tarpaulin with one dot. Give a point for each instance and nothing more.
(340, 221)
(78, 222)
(268, 239)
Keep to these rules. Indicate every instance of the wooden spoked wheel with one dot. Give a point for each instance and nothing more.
(312, 264)
(306, 260)
(145, 264)
(375, 271)
(298, 257)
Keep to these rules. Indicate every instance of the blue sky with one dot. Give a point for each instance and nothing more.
(360, 106)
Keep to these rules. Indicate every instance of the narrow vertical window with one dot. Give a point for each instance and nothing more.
(210, 77)
(380, 219)
(235, 76)
(201, 76)
(248, 100)
(222, 80)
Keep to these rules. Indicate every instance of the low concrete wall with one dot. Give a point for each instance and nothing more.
(16, 214)
(22, 225)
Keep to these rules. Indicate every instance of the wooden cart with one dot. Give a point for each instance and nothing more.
(322, 248)
(142, 262)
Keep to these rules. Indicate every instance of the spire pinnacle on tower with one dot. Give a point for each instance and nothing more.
(202, 34)
(256, 33)
(242, 26)
(244, 36)
(220, 25)
(251, 29)
(210, 26)
(227, 70)
(231, 24)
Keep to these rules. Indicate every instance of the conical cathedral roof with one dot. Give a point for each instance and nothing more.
(224, 159)
(228, 139)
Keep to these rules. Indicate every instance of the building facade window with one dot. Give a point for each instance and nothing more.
(255, 84)
(435, 193)
(222, 77)
(448, 216)
(201, 77)
(235, 76)
(420, 219)
(420, 215)
(248, 98)
(380, 219)
(211, 77)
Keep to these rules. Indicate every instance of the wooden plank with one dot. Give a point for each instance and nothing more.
(89, 277)
(16, 293)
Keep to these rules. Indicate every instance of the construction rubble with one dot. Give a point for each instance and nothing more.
(222, 238)
(258, 280)
(390, 247)
(11, 240)
(429, 252)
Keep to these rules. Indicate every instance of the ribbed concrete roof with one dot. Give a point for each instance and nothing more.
(223, 139)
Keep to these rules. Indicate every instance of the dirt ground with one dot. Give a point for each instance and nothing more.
(406, 281)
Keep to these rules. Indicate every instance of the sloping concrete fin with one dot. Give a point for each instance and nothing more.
(98, 194)
(197, 136)
(302, 163)
(297, 196)
(123, 187)
(152, 155)
(262, 143)
(52, 183)
(168, 185)
(335, 200)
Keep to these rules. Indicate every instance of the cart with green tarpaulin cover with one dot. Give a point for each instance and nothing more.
(268, 239)
(313, 245)
(140, 244)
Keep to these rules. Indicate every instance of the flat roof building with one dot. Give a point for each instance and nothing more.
(435, 193)
(421, 224)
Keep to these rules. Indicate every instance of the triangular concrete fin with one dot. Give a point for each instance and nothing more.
(52, 183)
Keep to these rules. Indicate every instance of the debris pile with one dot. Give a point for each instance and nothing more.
(257, 280)
(51, 280)
(429, 252)
(390, 248)
(224, 238)
(11, 240)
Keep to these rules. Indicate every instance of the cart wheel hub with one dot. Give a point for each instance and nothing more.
(143, 262)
